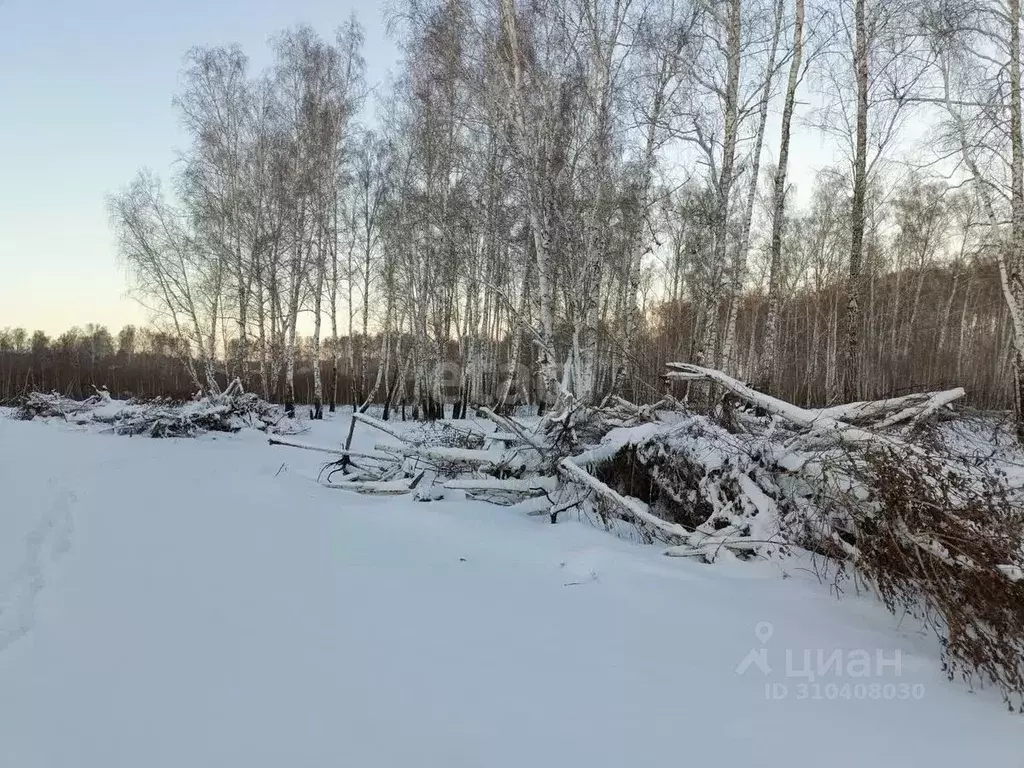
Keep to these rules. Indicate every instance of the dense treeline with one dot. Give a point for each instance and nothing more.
(136, 363)
(958, 336)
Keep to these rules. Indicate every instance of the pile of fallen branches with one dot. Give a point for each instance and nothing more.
(437, 452)
(881, 487)
(229, 411)
(876, 488)
(47, 405)
(942, 540)
(209, 414)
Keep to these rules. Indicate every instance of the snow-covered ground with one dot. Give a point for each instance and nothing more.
(170, 603)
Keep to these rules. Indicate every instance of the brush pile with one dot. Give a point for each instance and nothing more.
(228, 411)
(881, 487)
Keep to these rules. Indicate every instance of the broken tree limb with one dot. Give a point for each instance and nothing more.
(818, 426)
(867, 410)
(374, 488)
(634, 508)
(234, 388)
(449, 455)
(839, 417)
(332, 451)
(891, 410)
(794, 414)
(510, 425)
(643, 411)
(922, 410)
(540, 484)
(378, 425)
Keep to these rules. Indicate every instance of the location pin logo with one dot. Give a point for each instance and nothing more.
(758, 657)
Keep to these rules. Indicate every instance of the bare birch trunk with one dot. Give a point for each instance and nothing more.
(261, 320)
(739, 267)
(851, 362)
(1015, 295)
(365, 345)
(707, 350)
(539, 225)
(940, 345)
(335, 351)
(318, 293)
(350, 364)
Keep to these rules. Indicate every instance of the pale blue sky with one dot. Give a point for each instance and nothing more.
(85, 100)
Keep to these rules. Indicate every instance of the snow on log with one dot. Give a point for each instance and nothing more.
(1012, 572)
(633, 507)
(794, 414)
(512, 426)
(819, 426)
(539, 484)
(443, 454)
(921, 410)
(332, 451)
(379, 425)
(375, 488)
(615, 441)
(865, 411)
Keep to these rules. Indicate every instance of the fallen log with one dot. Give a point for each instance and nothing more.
(541, 484)
(632, 507)
(440, 454)
(332, 451)
(924, 409)
(818, 426)
(374, 488)
(378, 425)
(510, 425)
(867, 411)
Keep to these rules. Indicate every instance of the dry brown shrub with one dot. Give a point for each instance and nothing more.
(942, 539)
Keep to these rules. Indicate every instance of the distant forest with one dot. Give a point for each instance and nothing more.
(924, 329)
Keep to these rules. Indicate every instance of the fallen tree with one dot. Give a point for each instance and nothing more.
(872, 489)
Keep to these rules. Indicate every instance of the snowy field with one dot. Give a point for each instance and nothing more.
(172, 603)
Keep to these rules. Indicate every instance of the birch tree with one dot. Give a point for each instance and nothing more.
(177, 279)
(766, 362)
(214, 106)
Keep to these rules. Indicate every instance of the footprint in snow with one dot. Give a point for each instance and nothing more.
(48, 541)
